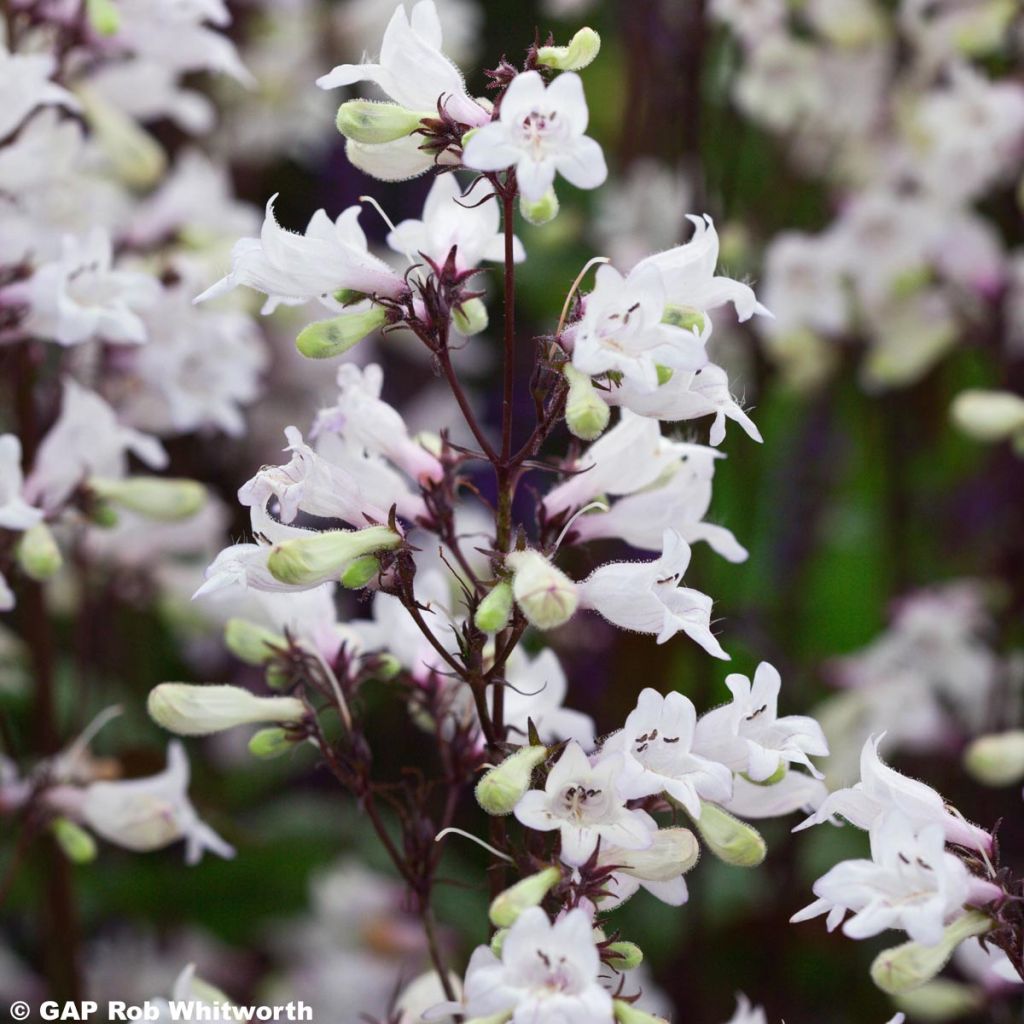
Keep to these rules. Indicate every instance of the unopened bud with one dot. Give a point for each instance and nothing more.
(730, 839)
(673, 851)
(386, 667)
(266, 744)
(307, 561)
(504, 785)
(135, 155)
(103, 515)
(38, 554)
(190, 710)
(493, 612)
(251, 643)
(542, 211)
(583, 48)
(76, 844)
(327, 338)
(626, 955)
(988, 415)
(360, 573)
(103, 17)
(375, 121)
(586, 413)
(997, 759)
(628, 1014)
(683, 316)
(546, 596)
(154, 497)
(498, 941)
(470, 317)
(942, 999)
(908, 966)
(508, 905)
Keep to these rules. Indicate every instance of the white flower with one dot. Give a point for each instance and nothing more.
(747, 734)
(540, 132)
(746, 1012)
(25, 85)
(547, 972)
(803, 284)
(471, 225)
(81, 296)
(660, 869)
(291, 269)
(365, 422)
(882, 789)
(622, 330)
(795, 791)
(909, 883)
(583, 802)
(656, 744)
(646, 597)
(536, 691)
(15, 512)
(86, 440)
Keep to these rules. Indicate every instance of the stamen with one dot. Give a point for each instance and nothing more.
(568, 526)
(572, 291)
(468, 835)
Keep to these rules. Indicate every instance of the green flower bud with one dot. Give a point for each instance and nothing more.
(276, 676)
(162, 498)
(307, 561)
(266, 744)
(251, 643)
(683, 316)
(777, 776)
(498, 941)
(103, 17)
(546, 596)
(471, 317)
(626, 1014)
(328, 338)
(103, 515)
(76, 844)
(504, 785)
(672, 853)
(627, 955)
(375, 121)
(493, 612)
(360, 572)
(906, 967)
(38, 554)
(583, 48)
(730, 839)
(190, 710)
(386, 667)
(137, 159)
(543, 211)
(988, 415)
(942, 999)
(508, 905)
(997, 759)
(348, 296)
(586, 413)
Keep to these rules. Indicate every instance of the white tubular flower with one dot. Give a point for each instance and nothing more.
(622, 331)
(80, 296)
(205, 709)
(656, 745)
(882, 789)
(688, 396)
(309, 483)
(539, 131)
(473, 226)
(86, 440)
(25, 85)
(795, 791)
(363, 421)
(688, 272)
(146, 814)
(911, 882)
(15, 512)
(646, 597)
(291, 269)
(747, 734)
(583, 802)
(547, 972)
(658, 869)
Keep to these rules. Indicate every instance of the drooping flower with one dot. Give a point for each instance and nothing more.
(539, 131)
(660, 869)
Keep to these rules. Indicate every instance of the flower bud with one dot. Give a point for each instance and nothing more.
(908, 966)
(543, 211)
(988, 415)
(327, 338)
(154, 497)
(683, 316)
(545, 594)
(375, 121)
(627, 1014)
(251, 643)
(997, 759)
(470, 317)
(102, 515)
(498, 941)
(360, 573)
(627, 955)
(385, 666)
(137, 159)
(583, 48)
(776, 776)
(673, 851)
(190, 710)
(266, 744)
(504, 785)
(76, 844)
(942, 999)
(586, 413)
(508, 905)
(38, 554)
(103, 17)
(493, 612)
(307, 561)
(730, 839)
